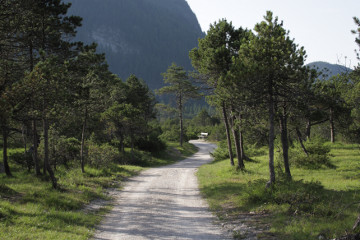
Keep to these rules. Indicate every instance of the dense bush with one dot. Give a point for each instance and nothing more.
(23, 159)
(253, 150)
(318, 155)
(221, 152)
(101, 155)
(300, 198)
(152, 144)
(66, 150)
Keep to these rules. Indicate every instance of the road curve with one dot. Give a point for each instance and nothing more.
(163, 203)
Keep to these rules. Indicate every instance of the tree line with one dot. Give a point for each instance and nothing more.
(259, 83)
(59, 95)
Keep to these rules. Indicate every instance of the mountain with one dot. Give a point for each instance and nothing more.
(329, 69)
(141, 37)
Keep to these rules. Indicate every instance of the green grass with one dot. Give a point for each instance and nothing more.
(31, 209)
(315, 202)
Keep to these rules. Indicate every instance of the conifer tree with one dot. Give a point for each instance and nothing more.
(181, 87)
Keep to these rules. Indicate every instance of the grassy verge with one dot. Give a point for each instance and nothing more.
(316, 203)
(31, 209)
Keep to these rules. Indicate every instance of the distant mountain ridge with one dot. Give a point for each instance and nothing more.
(328, 68)
(141, 37)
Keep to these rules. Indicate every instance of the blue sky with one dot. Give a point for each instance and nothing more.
(323, 27)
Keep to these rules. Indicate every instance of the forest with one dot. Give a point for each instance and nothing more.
(73, 127)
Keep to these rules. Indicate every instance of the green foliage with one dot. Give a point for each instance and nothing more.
(300, 198)
(171, 134)
(315, 202)
(30, 209)
(221, 152)
(102, 155)
(153, 144)
(253, 150)
(23, 159)
(319, 155)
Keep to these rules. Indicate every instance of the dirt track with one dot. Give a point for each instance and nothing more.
(163, 203)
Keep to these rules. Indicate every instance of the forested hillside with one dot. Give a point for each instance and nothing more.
(329, 69)
(139, 37)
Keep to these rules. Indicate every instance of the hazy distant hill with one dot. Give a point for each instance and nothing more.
(333, 69)
(139, 36)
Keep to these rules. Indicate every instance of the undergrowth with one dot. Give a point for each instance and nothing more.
(317, 202)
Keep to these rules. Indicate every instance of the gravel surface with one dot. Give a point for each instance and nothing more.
(163, 203)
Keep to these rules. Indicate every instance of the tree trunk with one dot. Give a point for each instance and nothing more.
(35, 150)
(298, 133)
(236, 141)
(308, 129)
(241, 142)
(227, 134)
(5, 155)
(332, 126)
(181, 121)
(132, 148)
(46, 153)
(271, 138)
(82, 160)
(122, 147)
(24, 134)
(285, 142)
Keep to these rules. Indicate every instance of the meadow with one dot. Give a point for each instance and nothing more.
(317, 204)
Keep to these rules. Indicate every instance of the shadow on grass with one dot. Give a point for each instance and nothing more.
(296, 197)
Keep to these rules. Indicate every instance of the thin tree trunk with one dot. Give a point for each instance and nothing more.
(132, 147)
(241, 142)
(285, 142)
(35, 150)
(271, 138)
(332, 126)
(181, 121)
(298, 133)
(24, 134)
(236, 141)
(5, 155)
(308, 129)
(46, 153)
(122, 147)
(82, 160)
(227, 134)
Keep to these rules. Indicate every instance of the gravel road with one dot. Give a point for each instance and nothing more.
(163, 203)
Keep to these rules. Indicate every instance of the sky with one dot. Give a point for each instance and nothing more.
(323, 27)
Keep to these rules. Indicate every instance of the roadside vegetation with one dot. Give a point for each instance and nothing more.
(70, 127)
(31, 209)
(319, 203)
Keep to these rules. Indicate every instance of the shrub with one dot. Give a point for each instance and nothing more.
(23, 159)
(299, 197)
(65, 150)
(153, 144)
(253, 150)
(172, 135)
(318, 155)
(221, 152)
(102, 155)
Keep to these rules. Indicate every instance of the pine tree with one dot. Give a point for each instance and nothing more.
(181, 87)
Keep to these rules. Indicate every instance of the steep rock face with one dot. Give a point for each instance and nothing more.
(141, 37)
